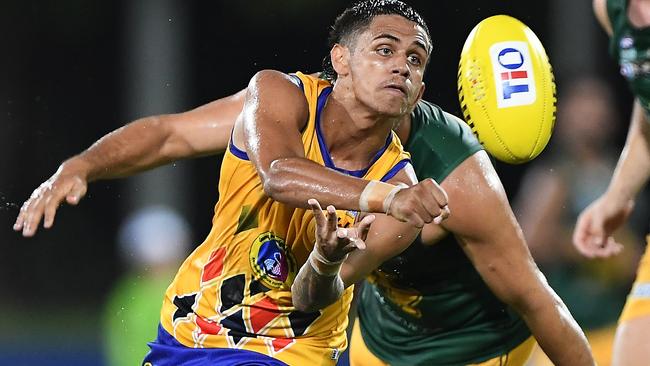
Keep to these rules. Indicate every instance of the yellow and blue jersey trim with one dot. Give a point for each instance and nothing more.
(167, 351)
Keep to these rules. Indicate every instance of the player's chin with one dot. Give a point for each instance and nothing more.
(393, 107)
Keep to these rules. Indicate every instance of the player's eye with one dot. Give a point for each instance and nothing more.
(415, 60)
(384, 51)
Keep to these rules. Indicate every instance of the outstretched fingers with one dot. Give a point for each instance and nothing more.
(337, 241)
(46, 200)
(363, 229)
(317, 211)
(355, 238)
(332, 220)
(31, 212)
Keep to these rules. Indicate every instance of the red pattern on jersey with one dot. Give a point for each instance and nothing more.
(214, 267)
(208, 327)
(262, 313)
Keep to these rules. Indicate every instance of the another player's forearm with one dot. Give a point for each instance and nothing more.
(522, 286)
(633, 168)
(554, 328)
(157, 140)
(312, 291)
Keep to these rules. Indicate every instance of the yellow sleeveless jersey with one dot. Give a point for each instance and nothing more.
(234, 290)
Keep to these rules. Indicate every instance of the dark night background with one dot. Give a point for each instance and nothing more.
(67, 77)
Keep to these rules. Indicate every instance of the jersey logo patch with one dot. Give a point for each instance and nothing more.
(272, 263)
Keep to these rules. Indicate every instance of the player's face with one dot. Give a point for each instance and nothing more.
(387, 64)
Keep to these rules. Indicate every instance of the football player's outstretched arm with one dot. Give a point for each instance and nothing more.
(140, 145)
(269, 130)
(488, 232)
(592, 235)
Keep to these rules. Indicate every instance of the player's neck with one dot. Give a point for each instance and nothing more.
(403, 129)
(638, 13)
(353, 133)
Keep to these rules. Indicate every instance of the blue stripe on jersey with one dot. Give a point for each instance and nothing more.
(235, 150)
(327, 158)
(167, 351)
(296, 80)
(395, 169)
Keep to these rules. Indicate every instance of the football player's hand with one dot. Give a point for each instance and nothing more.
(592, 235)
(68, 183)
(420, 204)
(332, 242)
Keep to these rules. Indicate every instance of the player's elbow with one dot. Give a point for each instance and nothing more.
(532, 298)
(160, 127)
(276, 181)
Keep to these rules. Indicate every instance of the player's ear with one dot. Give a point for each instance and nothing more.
(420, 93)
(340, 56)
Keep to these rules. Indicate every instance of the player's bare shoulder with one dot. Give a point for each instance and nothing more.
(277, 87)
(273, 100)
(277, 95)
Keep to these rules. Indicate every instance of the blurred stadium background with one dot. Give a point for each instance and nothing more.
(74, 70)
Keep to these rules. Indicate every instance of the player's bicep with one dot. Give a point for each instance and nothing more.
(477, 198)
(275, 110)
(206, 129)
(486, 228)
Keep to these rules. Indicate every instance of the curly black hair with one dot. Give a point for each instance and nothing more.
(357, 18)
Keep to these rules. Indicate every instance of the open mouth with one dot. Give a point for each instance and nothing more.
(397, 87)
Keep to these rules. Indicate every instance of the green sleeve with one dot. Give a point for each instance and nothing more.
(438, 142)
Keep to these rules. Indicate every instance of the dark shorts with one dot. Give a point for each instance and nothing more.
(167, 351)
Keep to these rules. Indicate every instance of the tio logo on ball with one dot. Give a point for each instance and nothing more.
(513, 74)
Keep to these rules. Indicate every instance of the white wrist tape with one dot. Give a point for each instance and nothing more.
(322, 265)
(377, 196)
(391, 195)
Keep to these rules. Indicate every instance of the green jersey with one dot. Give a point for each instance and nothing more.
(429, 306)
(630, 46)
